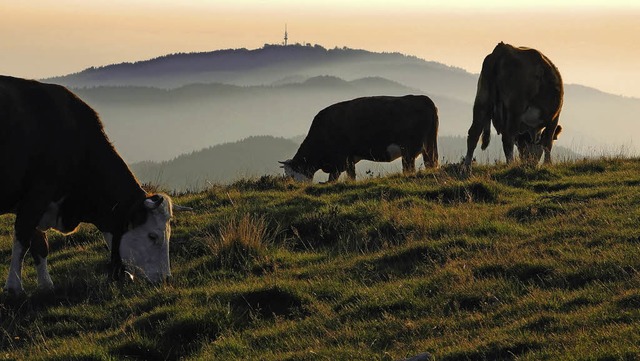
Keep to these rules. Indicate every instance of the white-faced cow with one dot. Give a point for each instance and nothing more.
(521, 91)
(59, 169)
(381, 128)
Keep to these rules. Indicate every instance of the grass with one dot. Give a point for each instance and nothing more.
(513, 263)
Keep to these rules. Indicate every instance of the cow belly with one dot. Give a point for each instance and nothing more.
(379, 153)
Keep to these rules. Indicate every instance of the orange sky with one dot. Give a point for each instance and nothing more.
(592, 43)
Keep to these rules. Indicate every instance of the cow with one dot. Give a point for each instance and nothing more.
(379, 128)
(58, 169)
(521, 91)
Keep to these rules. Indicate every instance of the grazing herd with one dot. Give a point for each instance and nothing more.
(59, 168)
(519, 91)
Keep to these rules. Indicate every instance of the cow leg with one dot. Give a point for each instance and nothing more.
(430, 153)
(472, 141)
(39, 251)
(14, 280)
(481, 125)
(351, 168)
(334, 175)
(548, 136)
(408, 162)
(28, 214)
(507, 146)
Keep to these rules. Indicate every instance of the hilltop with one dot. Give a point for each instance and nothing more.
(191, 102)
(513, 263)
(272, 64)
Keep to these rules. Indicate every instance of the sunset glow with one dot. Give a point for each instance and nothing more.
(592, 42)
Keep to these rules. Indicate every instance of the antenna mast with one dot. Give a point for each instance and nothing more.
(286, 35)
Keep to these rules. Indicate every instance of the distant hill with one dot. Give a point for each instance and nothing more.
(251, 157)
(197, 116)
(259, 155)
(160, 108)
(271, 65)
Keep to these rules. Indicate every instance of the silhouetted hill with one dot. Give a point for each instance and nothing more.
(257, 156)
(192, 101)
(271, 65)
(251, 157)
(595, 121)
(200, 115)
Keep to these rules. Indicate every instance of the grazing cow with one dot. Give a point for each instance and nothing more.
(59, 169)
(381, 128)
(521, 91)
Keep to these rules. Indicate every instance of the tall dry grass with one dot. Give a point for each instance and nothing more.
(241, 242)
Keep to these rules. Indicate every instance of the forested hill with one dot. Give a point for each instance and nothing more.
(274, 65)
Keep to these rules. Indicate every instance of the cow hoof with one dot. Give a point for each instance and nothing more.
(465, 170)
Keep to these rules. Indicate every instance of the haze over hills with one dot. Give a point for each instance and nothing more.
(274, 63)
(197, 116)
(257, 156)
(158, 109)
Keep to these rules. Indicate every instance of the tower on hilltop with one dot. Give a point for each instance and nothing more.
(286, 35)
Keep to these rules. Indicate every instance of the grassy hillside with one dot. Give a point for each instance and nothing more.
(512, 263)
(256, 156)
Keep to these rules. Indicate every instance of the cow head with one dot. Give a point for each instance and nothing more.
(297, 172)
(144, 246)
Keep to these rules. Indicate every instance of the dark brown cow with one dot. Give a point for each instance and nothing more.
(381, 128)
(521, 91)
(59, 169)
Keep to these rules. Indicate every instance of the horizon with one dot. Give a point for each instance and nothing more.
(590, 42)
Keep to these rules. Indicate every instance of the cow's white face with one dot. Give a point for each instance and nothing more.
(297, 176)
(144, 249)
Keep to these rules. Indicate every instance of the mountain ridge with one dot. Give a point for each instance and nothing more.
(216, 66)
(190, 107)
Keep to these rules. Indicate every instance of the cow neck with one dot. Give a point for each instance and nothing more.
(306, 156)
(120, 194)
(117, 190)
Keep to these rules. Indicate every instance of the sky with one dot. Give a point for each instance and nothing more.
(594, 43)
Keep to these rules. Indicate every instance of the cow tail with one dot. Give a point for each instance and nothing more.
(430, 145)
(486, 135)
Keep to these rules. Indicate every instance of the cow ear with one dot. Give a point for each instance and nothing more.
(153, 202)
(284, 162)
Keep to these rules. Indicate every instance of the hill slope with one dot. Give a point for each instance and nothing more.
(224, 163)
(512, 263)
(257, 156)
